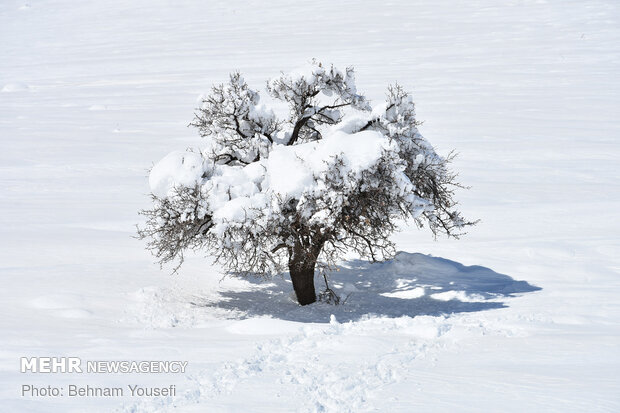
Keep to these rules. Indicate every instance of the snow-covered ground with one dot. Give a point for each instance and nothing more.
(520, 315)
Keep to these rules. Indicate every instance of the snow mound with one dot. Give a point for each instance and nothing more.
(15, 87)
(97, 107)
(78, 313)
(408, 294)
(291, 169)
(62, 305)
(176, 169)
(56, 301)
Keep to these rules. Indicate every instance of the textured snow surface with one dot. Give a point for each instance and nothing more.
(522, 314)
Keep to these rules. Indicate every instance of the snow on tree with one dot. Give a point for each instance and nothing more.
(270, 193)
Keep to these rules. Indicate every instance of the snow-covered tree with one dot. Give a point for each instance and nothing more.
(270, 193)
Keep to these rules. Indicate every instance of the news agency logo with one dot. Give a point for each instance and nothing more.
(75, 365)
(51, 365)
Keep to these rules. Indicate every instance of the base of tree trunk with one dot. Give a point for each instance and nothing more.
(303, 284)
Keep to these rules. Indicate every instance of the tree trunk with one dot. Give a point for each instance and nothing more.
(301, 265)
(302, 276)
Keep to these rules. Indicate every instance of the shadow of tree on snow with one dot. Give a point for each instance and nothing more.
(411, 284)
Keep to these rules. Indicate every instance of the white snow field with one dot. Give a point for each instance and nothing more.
(521, 315)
